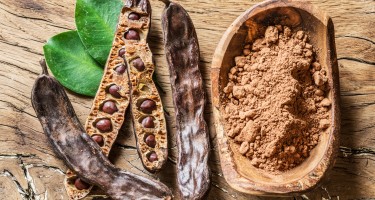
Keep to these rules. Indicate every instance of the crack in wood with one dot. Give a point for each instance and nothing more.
(364, 128)
(20, 190)
(223, 190)
(27, 17)
(20, 92)
(27, 49)
(356, 37)
(30, 192)
(20, 110)
(326, 190)
(16, 66)
(304, 197)
(126, 147)
(347, 151)
(135, 167)
(18, 132)
(345, 94)
(357, 60)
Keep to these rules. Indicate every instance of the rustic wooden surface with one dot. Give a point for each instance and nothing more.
(30, 170)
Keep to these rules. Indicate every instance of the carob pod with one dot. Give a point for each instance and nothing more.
(79, 151)
(107, 113)
(146, 108)
(182, 51)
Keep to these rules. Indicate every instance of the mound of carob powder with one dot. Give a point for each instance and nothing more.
(275, 104)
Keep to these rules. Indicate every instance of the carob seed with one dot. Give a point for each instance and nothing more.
(148, 122)
(132, 35)
(150, 141)
(109, 107)
(139, 64)
(152, 157)
(81, 185)
(121, 52)
(121, 68)
(104, 125)
(113, 90)
(133, 16)
(148, 106)
(98, 139)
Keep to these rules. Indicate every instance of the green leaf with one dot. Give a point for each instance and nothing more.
(96, 22)
(72, 66)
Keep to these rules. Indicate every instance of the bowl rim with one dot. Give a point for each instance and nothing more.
(315, 176)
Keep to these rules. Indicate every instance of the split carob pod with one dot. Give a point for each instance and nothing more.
(182, 51)
(107, 113)
(146, 108)
(79, 151)
(113, 97)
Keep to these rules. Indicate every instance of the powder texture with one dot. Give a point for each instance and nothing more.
(275, 104)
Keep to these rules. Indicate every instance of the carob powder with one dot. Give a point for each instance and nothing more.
(275, 104)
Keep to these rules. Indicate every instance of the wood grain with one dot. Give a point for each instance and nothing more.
(30, 170)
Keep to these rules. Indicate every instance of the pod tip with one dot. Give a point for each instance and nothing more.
(42, 63)
(166, 2)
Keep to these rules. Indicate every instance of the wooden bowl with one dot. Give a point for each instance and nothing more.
(237, 170)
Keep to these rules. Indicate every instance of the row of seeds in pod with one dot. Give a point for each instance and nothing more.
(109, 106)
(147, 106)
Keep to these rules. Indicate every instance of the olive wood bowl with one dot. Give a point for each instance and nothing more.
(237, 170)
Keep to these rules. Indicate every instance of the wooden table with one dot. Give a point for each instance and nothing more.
(29, 168)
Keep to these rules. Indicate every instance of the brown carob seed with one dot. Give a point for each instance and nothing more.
(148, 122)
(98, 139)
(148, 106)
(152, 157)
(121, 52)
(134, 16)
(109, 107)
(76, 148)
(104, 125)
(182, 51)
(121, 68)
(150, 140)
(114, 91)
(139, 64)
(132, 35)
(81, 185)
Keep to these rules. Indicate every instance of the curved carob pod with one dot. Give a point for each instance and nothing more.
(113, 97)
(146, 108)
(79, 151)
(182, 51)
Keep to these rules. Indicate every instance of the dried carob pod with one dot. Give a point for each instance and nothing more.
(182, 51)
(107, 113)
(79, 151)
(146, 108)
(113, 97)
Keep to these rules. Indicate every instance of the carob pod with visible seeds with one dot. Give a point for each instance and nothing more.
(146, 108)
(107, 113)
(182, 51)
(109, 106)
(79, 151)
